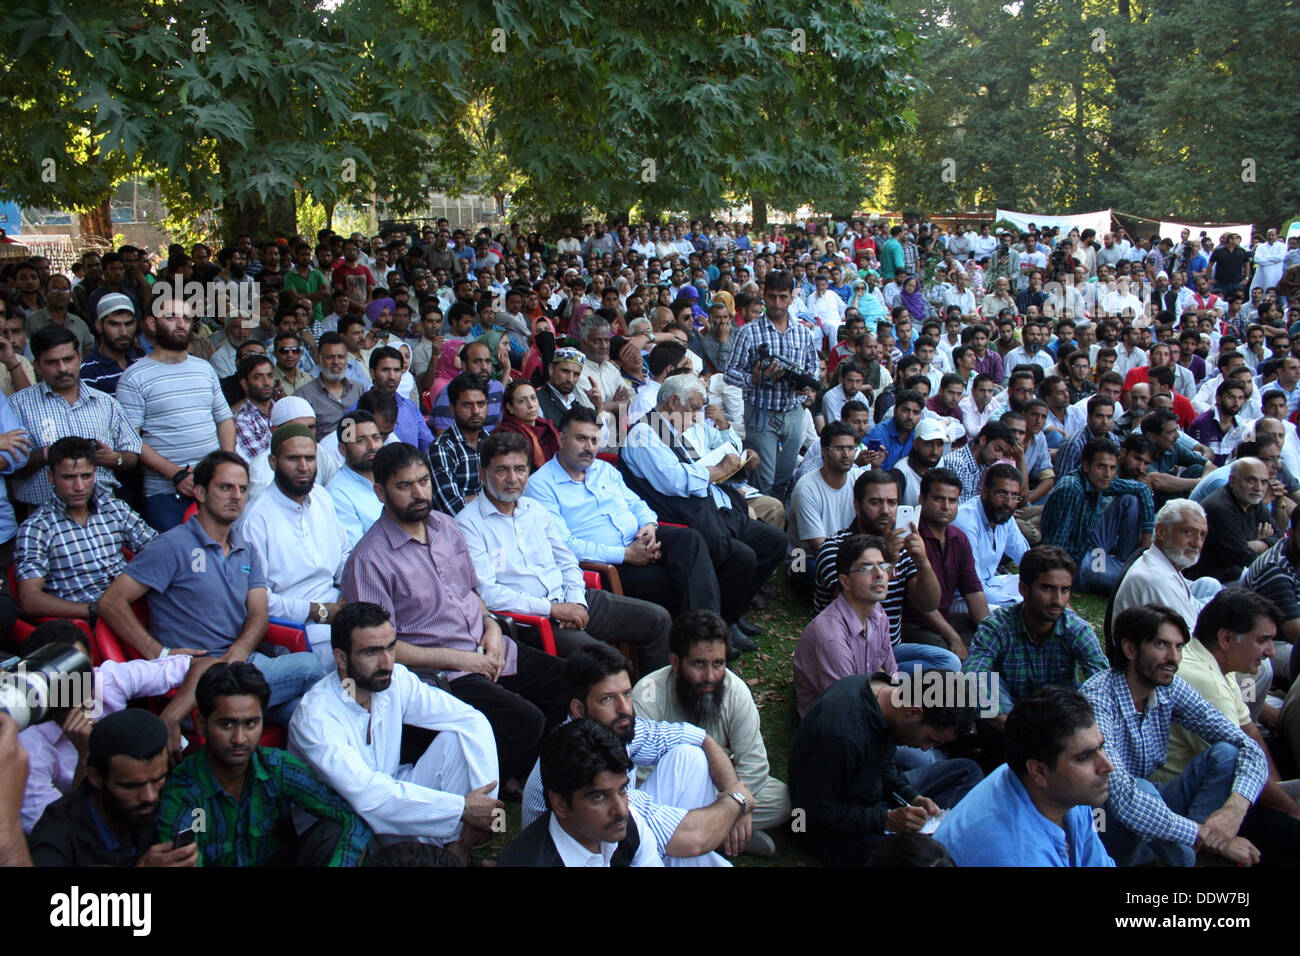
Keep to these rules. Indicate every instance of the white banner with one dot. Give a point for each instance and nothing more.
(1099, 221)
(1174, 231)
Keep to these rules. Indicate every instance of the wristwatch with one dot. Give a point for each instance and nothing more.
(322, 613)
(120, 460)
(740, 799)
(165, 652)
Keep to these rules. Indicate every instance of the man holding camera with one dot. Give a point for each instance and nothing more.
(766, 356)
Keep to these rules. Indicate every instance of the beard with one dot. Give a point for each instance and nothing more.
(178, 339)
(292, 486)
(1182, 558)
(376, 682)
(416, 511)
(236, 272)
(333, 377)
(137, 819)
(702, 709)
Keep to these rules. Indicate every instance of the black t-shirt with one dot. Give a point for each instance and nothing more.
(1229, 265)
(71, 833)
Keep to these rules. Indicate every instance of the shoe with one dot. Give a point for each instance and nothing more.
(760, 844)
(769, 590)
(749, 627)
(759, 603)
(742, 641)
(733, 655)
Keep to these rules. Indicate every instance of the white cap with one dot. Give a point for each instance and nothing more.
(928, 429)
(289, 408)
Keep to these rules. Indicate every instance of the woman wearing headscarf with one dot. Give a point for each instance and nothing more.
(913, 301)
(448, 368)
(522, 414)
(868, 304)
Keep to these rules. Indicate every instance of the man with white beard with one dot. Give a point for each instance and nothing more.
(1156, 576)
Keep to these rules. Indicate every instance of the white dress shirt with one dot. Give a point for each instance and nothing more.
(574, 853)
(301, 546)
(358, 753)
(328, 462)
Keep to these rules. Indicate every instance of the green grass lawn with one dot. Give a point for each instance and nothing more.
(769, 674)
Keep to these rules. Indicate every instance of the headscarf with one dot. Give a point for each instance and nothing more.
(447, 369)
(914, 302)
(725, 297)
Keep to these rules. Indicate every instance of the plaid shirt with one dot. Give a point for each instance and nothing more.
(1003, 647)
(48, 417)
(455, 470)
(1075, 507)
(1137, 744)
(795, 345)
(79, 562)
(962, 461)
(244, 832)
(252, 430)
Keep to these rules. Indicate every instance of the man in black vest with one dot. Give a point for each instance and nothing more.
(589, 821)
(665, 472)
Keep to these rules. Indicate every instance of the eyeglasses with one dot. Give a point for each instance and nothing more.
(289, 350)
(883, 568)
(1006, 496)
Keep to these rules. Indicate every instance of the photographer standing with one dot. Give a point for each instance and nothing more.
(763, 352)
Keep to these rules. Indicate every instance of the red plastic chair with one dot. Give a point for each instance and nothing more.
(24, 626)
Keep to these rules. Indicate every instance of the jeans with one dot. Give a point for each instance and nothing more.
(776, 436)
(290, 676)
(930, 658)
(1202, 788)
(165, 511)
(1113, 542)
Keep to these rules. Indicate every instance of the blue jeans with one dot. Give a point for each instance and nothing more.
(1202, 788)
(165, 511)
(290, 676)
(930, 657)
(1113, 542)
(776, 436)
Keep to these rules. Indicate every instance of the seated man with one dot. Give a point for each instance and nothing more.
(523, 565)
(842, 770)
(349, 730)
(296, 537)
(413, 562)
(589, 820)
(994, 443)
(1156, 576)
(1039, 641)
(852, 635)
(70, 549)
(1240, 524)
(659, 468)
(109, 819)
(693, 802)
(1097, 519)
(822, 500)
(697, 688)
(263, 784)
(1233, 638)
(894, 435)
(455, 451)
(353, 489)
(56, 748)
(386, 375)
(476, 359)
(1135, 701)
(206, 589)
(988, 524)
(600, 519)
(1037, 808)
(293, 410)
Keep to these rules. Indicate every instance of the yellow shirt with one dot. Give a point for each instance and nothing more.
(1201, 670)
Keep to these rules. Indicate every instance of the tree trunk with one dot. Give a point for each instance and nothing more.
(96, 223)
(758, 206)
(276, 218)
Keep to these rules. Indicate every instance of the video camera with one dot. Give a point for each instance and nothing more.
(796, 376)
(49, 681)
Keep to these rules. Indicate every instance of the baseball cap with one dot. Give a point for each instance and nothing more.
(928, 429)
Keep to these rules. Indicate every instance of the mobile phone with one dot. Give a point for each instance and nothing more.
(184, 838)
(875, 445)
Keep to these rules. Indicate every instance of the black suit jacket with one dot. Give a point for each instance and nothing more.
(534, 846)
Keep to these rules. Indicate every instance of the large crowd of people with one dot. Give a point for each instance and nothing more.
(381, 534)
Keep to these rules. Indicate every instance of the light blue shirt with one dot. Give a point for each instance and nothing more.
(521, 561)
(12, 461)
(355, 503)
(649, 458)
(988, 544)
(997, 824)
(597, 518)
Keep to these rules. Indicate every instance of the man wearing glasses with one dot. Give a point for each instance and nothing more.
(852, 635)
(993, 535)
(288, 353)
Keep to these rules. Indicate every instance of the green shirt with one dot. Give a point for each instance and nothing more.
(244, 833)
(313, 281)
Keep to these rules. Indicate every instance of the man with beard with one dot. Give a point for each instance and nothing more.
(386, 375)
(331, 392)
(1136, 700)
(246, 792)
(353, 488)
(475, 359)
(589, 819)
(253, 420)
(822, 501)
(1037, 809)
(1156, 576)
(1240, 524)
(109, 819)
(296, 536)
(349, 730)
(175, 401)
(59, 406)
(454, 453)
(523, 565)
(693, 802)
(697, 688)
(993, 535)
(103, 367)
(414, 563)
(203, 584)
(926, 450)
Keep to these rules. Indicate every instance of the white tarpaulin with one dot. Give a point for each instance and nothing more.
(1174, 231)
(1099, 221)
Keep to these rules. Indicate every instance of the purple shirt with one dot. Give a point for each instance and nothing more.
(954, 566)
(990, 364)
(836, 644)
(1207, 430)
(427, 586)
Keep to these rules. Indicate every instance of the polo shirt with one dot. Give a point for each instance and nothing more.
(198, 596)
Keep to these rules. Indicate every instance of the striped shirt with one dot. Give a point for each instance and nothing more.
(1274, 576)
(962, 461)
(1137, 744)
(79, 562)
(244, 831)
(827, 583)
(176, 408)
(427, 586)
(48, 417)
